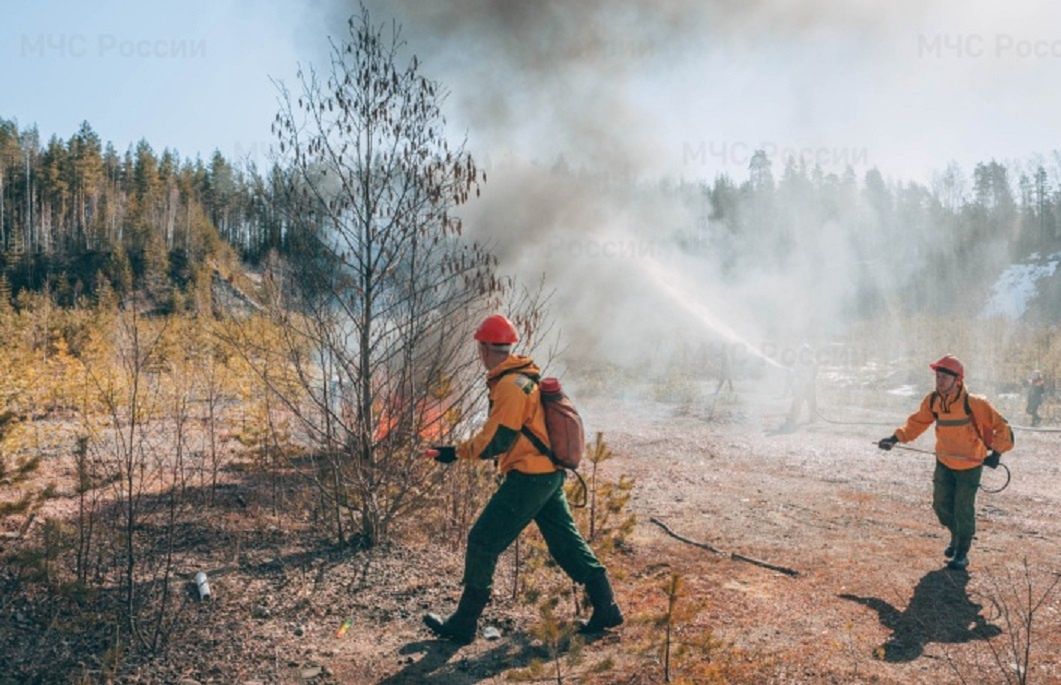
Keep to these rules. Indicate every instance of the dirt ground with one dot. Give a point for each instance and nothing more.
(871, 603)
(857, 524)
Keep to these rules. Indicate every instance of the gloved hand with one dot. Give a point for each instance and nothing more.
(443, 454)
(888, 443)
(991, 461)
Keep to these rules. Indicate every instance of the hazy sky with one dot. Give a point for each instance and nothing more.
(681, 88)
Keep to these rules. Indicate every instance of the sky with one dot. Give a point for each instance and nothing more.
(685, 89)
(194, 76)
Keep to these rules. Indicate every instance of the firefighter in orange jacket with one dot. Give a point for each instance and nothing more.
(532, 490)
(970, 434)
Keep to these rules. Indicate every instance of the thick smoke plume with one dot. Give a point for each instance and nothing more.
(603, 125)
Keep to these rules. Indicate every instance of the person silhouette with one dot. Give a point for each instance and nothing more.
(725, 379)
(1036, 391)
(803, 375)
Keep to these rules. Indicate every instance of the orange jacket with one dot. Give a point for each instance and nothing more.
(514, 402)
(962, 441)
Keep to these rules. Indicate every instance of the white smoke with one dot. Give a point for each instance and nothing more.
(595, 121)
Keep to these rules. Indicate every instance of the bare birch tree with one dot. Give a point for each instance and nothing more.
(384, 289)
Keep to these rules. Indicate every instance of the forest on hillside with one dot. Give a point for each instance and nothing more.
(74, 211)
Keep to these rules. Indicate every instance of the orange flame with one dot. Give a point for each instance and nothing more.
(436, 417)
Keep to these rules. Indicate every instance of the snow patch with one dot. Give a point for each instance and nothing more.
(1017, 285)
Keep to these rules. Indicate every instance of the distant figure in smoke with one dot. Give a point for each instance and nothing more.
(969, 435)
(1035, 396)
(724, 377)
(803, 377)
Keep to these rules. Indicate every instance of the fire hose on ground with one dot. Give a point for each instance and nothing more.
(791, 572)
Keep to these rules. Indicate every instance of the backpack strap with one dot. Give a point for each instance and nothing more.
(972, 417)
(538, 444)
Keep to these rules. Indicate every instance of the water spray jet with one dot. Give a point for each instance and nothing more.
(681, 295)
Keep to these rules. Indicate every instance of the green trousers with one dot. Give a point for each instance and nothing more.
(954, 500)
(520, 499)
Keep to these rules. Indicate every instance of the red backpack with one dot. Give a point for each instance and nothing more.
(563, 425)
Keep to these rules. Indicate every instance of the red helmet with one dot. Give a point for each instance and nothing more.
(497, 330)
(949, 364)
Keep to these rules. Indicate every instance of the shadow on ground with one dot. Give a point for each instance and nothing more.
(438, 666)
(939, 611)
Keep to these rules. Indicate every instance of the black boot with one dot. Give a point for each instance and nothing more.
(961, 558)
(606, 613)
(461, 626)
(951, 548)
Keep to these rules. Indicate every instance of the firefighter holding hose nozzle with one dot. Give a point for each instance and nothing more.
(532, 490)
(970, 434)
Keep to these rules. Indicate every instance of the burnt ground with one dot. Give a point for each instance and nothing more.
(871, 603)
